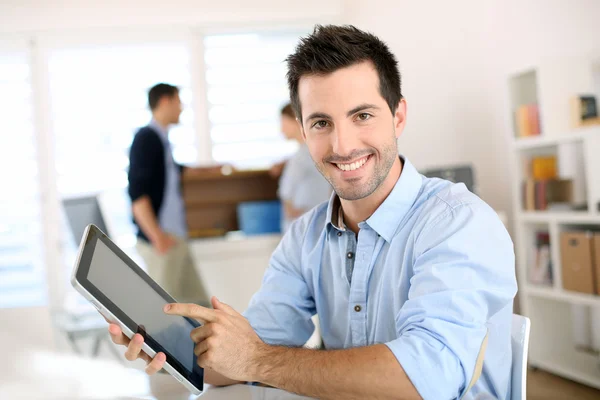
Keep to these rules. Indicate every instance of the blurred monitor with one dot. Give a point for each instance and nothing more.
(81, 212)
(457, 174)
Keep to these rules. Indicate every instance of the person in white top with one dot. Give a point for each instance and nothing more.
(301, 186)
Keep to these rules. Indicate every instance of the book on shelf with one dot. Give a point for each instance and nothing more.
(548, 194)
(584, 111)
(544, 167)
(540, 270)
(527, 118)
(540, 167)
(542, 188)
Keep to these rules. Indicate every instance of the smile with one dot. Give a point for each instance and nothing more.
(353, 165)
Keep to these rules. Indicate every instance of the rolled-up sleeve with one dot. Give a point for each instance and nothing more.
(280, 312)
(463, 274)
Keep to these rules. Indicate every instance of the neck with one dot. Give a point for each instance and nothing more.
(161, 121)
(356, 211)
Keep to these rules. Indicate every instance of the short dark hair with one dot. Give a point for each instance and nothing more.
(288, 111)
(332, 47)
(159, 91)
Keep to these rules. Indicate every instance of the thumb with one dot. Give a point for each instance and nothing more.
(218, 305)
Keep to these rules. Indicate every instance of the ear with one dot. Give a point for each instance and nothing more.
(400, 117)
(162, 101)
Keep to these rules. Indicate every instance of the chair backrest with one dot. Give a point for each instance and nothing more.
(81, 212)
(457, 174)
(521, 327)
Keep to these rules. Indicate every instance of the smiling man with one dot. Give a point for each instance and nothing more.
(412, 278)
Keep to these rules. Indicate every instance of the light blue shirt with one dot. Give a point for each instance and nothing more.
(431, 272)
(171, 216)
(302, 184)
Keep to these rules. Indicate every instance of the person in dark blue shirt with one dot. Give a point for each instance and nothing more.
(157, 201)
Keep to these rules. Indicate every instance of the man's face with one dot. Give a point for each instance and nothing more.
(349, 128)
(173, 108)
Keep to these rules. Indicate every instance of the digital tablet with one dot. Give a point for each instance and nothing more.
(125, 294)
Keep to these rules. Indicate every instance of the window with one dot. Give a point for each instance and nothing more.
(22, 279)
(98, 101)
(246, 88)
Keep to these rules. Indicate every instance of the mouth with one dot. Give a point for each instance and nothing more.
(354, 165)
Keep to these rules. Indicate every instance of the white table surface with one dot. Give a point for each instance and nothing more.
(41, 374)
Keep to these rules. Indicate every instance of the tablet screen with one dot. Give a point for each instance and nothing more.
(138, 302)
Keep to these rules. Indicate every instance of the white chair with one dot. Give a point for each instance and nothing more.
(521, 326)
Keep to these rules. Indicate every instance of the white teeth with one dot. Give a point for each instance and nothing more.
(352, 166)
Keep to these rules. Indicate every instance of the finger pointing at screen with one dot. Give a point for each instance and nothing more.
(226, 342)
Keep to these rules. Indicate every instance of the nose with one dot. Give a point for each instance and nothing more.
(345, 140)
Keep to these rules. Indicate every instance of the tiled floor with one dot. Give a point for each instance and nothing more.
(542, 385)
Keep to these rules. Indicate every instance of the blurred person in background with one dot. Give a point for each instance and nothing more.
(157, 201)
(301, 186)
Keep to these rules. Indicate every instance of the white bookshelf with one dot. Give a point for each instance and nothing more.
(573, 217)
(562, 295)
(537, 142)
(550, 84)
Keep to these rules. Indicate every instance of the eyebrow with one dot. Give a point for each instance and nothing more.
(318, 115)
(360, 108)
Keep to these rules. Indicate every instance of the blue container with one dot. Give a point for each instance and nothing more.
(259, 217)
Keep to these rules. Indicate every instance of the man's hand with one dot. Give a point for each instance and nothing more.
(163, 243)
(290, 211)
(134, 349)
(276, 170)
(226, 343)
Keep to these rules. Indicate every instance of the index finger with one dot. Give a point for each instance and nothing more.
(195, 311)
(117, 335)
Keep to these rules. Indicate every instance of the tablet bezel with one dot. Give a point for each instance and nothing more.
(195, 377)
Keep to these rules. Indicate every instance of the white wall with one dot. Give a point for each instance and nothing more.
(43, 15)
(455, 57)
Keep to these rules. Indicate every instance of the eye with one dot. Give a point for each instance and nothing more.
(363, 116)
(320, 124)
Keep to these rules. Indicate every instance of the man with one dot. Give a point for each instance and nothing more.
(411, 277)
(301, 187)
(157, 203)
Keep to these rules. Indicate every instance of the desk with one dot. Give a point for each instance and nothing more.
(42, 374)
(239, 392)
(232, 267)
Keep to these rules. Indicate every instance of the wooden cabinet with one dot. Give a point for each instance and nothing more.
(211, 198)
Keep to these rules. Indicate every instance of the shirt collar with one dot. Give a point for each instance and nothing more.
(164, 133)
(388, 216)
(334, 215)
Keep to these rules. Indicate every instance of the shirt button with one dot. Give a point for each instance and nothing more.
(350, 254)
(339, 233)
(357, 308)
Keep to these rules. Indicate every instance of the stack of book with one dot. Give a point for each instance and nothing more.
(543, 189)
(549, 194)
(527, 120)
